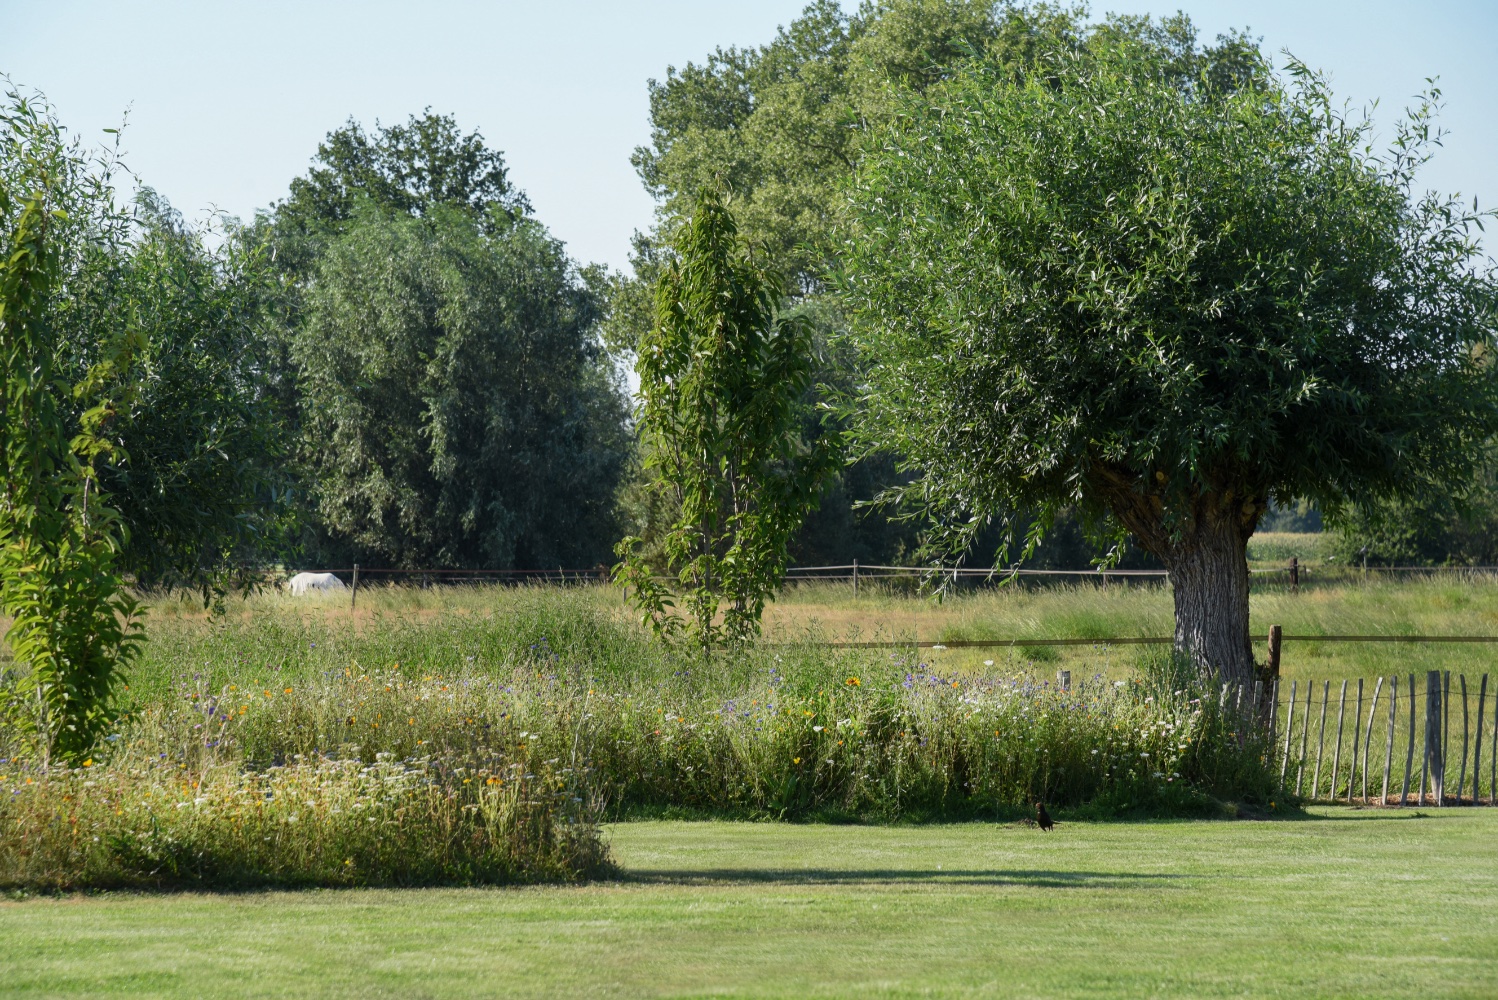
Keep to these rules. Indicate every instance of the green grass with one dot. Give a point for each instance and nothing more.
(1343, 904)
(448, 629)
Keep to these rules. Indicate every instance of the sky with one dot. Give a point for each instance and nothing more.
(227, 101)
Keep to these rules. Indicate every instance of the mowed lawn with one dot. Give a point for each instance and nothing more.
(1347, 903)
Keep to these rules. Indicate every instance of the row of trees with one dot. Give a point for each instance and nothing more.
(1095, 272)
(397, 364)
(1031, 276)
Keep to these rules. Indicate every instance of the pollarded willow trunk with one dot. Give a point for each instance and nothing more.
(1209, 575)
(1206, 552)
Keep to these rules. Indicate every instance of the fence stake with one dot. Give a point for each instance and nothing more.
(1274, 711)
(1429, 765)
(1337, 747)
(1276, 638)
(1461, 777)
(1404, 794)
(1409, 755)
(1357, 732)
(1326, 692)
(1493, 753)
(1305, 733)
(353, 597)
(1294, 574)
(1289, 732)
(1445, 733)
(1368, 739)
(1389, 747)
(1482, 698)
(855, 578)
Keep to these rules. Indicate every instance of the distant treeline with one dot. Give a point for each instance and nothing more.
(397, 364)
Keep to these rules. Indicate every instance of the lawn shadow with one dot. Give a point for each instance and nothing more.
(1043, 878)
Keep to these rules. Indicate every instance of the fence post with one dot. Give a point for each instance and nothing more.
(1357, 732)
(1482, 698)
(1337, 747)
(1461, 778)
(1294, 574)
(1273, 702)
(1326, 694)
(1289, 732)
(1276, 636)
(1431, 766)
(1305, 735)
(1389, 747)
(353, 597)
(1409, 754)
(1064, 678)
(1446, 729)
(855, 578)
(1368, 737)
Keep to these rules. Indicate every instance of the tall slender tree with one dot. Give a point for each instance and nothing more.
(723, 382)
(73, 627)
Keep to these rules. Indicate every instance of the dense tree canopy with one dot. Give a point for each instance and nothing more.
(204, 485)
(456, 409)
(408, 169)
(783, 126)
(1163, 298)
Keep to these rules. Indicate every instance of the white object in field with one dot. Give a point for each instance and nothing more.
(306, 583)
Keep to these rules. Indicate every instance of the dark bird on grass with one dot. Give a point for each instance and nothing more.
(1043, 818)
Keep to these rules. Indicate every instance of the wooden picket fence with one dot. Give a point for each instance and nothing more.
(1329, 749)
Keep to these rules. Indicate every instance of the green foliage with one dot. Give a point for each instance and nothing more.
(1428, 528)
(1162, 299)
(784, 125)
(548, 680)
(72, 627)
(456, 410)
(408, 169)
(207, 488)
(722, 386)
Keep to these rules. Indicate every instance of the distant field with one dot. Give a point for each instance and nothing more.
(1277, 547)
(1347, 903)
(430, 626)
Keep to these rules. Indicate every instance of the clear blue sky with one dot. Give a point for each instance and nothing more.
(228, 100)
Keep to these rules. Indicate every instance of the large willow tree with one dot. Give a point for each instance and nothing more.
(1166, 300)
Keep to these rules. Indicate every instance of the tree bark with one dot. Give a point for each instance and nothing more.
(1209, 575)
(1205, 549)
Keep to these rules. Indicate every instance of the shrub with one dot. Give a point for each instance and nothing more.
(157, 823)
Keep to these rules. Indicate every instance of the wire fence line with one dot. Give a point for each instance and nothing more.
(857, 573)
(1133, 641)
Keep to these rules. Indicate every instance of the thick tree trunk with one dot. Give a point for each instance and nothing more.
(1209, 574)
(1206, 552)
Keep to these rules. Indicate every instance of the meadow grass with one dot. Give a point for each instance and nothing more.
(559, 697)
(1365, 903)
(446, 628)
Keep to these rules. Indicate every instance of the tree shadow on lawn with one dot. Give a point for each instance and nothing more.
(1042, 878)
